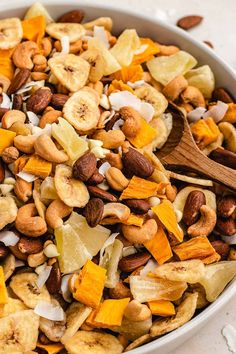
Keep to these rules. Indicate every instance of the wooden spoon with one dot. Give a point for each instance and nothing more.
(180, 151)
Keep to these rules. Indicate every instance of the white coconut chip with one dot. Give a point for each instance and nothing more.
(36, 131)
(196, 114)
(65, 45)
(149, 267)
(136, 84)
(49, 311)
(9, 238)
(28, 86)
(141, 49)
(109, 117)
(65, 290)
(43, 276)
(28, 177)
(107, 243)
(127, 251)
(99, 33)
(118, 124)
(229, 333)
(217, 112)
(231, 240)
(126, 98)
(6, 101)
(33, 118)
(103, 168)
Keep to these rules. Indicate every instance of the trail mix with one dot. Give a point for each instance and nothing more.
(102, 248)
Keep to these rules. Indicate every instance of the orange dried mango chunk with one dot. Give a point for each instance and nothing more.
(148, 53)
(6, 65)
(166, 214)
(20, 163)
(6, 139)
(139, 188)
(38, 166)
(3, 289)
(51, 348)
(130, 73)
(34, 29)
(145, 135)
(230, 115)
(196, 248)
(161, 308)
(133, 219)
(205, 131)
(159, 246)
(89, 284)
(119, 85)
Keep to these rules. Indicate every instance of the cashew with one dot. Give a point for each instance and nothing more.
(120, 291)
(174, 88)
(10, 154)
(205, 225)
(23, 189)
(141, 234)
(41, 208)
(116, 179)
(171, 192)
(36, 259)
(194, 96)
(23, 53)
(166, 50)
(46, 45)
(111, 139)
(45, 147)
(114, 160)
(106, 22)
(28, 223)
(38, 76)
(20, 129)
(229, 132)
(75, 47)
(135, 311)
(25, 143)
(11, 117)
(40, 63)
(4, 83)
(49, 117)
(56, 211)
(132, 124)
(116, 211)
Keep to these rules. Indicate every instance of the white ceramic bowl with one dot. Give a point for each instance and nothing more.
(164, 33)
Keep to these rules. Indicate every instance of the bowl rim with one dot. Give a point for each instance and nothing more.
(230, 290)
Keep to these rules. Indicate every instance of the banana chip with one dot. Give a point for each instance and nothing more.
(150, 95)
(125, 47)
(12, 306)
(72, 30)
(133, 330)
(139, 341)
(184, 313)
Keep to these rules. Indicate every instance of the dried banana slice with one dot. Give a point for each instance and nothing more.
(25, 286)
(81, 110)
(37, 9)
(54, 330)
(150, 95)
(125, 47)
(8, 211)
(9, 265)
(11, 33)
(72, 30)
(133, 330)
(12, 306)
(19, 332)
(84, 342)
(72, 71)
(71, 191)
(184, 313)
(138, 342)
(97, 64)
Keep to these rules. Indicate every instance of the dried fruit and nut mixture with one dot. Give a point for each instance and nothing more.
(103, 249)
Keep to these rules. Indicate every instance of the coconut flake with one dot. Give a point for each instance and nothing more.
(28, 177)
(28, 86)
(136, 84)
(33, 118)
(49, 311)
(231, 240)
(103, 168)
(65, 290)
(99, 33)
(43, 276)
(118, 124)
(6, 102)
(65, 45)
(36, 131)
(217, 112)
(126, 98)
(109, 117)
(107, 243)
(149, 267)
(196, 114)
(127, 251)
(141, 49)
(229, 333)
(9, 238)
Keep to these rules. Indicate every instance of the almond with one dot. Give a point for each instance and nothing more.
(17, 102)
(100, 193)
(39, 100)
(58, 100)
(85, 166)
(189, 22)
(2, 172)
(226, 206)
(53, 282)
(220, 94)
(18, 81)
(74, 16)
(225, 157)
(94, 211)
(136, 164)
(29, 245)
(222, 248)
(192, 207)
(138, 206)
(96, 178)
(226, 227)
(129, 263)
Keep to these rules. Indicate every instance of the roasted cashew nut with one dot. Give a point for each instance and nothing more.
(36, 259)
(116, 212)
(141, 234)
(49, 117)
(23, 54)
(174, 88)
(116, 179)
(111, 139)
(194, 96)
(23, 189)
(11, 117)
(135, 311)
(229, 133)
(132, 124)
(25, 143)
(28, 223)
(205, 225)
(45, 147)
(4, 83)
(55, 213)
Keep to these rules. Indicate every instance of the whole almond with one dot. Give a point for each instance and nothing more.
(74, 16)
(17, 253)
(18, 81)
(58, 100)
(3, 251)
(93, 211)
(129, 263)
(222, 248)
(30, 245)
(85, 166)
(220, 94)
(39, 100)
(17, 102)
(96, 178)
(189, 22)
(53, 282)
(192, 207)
(136, 164)
(100, 193)
(138, 206)
(225, 157)
(226, 206)
(2, 172)
(226, 227)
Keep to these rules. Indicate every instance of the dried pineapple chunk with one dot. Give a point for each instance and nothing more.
(125, 47)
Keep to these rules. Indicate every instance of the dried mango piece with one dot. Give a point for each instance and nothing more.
(205, 131)
(133, 219)
(159, 246)
(148, 54)
(215, 257)
(162, 308)
(230, 115)
(34, 29)
(119, 85)
(130, 73)
(6, 139)
(6, 65)
(51, 348)
(89, 284)
(38, 166)
(145, 135)
(166, 215)
(20, 163)
(3, 289)
(196, 248)
(140, 188)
